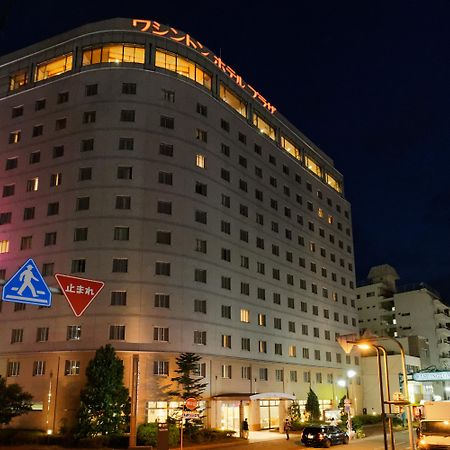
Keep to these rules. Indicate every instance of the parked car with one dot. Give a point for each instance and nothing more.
(323, 436)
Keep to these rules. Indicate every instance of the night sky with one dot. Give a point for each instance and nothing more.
(367, 81)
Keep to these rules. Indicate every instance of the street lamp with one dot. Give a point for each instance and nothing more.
(347, 404)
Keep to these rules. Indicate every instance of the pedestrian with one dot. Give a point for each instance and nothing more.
(287, 427)
(245, 429)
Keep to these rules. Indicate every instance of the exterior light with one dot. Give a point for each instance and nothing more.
(364, 346)
(351, 373)
(49, 431)
(341, 383)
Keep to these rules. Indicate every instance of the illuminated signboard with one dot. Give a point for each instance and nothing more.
(167, 32)
(431, 376)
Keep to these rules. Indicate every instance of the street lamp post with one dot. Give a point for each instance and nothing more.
(347, 405)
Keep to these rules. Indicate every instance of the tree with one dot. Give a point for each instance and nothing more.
(105, 401)
(189, 384)
(294, 411)
(13, 401)
(312, 406)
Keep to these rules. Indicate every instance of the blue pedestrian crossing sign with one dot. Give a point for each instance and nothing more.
(27, 286)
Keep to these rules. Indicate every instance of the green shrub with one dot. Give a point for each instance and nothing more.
(210, 434)
(297, 425)
(147, 434)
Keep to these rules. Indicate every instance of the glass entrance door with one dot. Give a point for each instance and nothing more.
(269, 413)
(229, 416)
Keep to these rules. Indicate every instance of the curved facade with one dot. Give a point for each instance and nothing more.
(137, 157)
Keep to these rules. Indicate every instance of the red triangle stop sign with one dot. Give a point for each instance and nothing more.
(79, 292)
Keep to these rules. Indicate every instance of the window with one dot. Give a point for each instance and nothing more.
(225, 125)
(242, 138)
(63, 97)
(164, 237)
(60, 124)
(25, 242)
(91, 89)
(200, 160)
(245, 344)
(225, 150)
(199, 337)
(17, 111)
(246, 372)
(226, 371)
(259, 219)
(42, 334)
(5, 217)
(48, 269)
(39, 104)
(118, 298)
(291, 303)
(202, 109)
(292, 352)
(160, 367)
(226, 201)
(277, 323)
(226, 311)
(200, 245)
(18, 80)
(16, 335)
(126, 143)
(232, 100)
(291, 326)
(262, 320)
(245, 315)
(73, 333)
(89, 117)
(13, 369)
(245, 288)
(129, 88)
(261, 293)
(32, 184)
(200, 306)
(243, 185)
(167, 122)
(124, 173)
(279, 375)
(226, 254)
(50, 238)
(84, 173)
(121, 233)
(71, 367)
(82, 203)
(260, 243)
(201, 188)
(319, 377)
(278, 349)
(55, 179)
(166, 149)
(168, 96)
(305, 353)
(200, 275)
(165, 178)
(262, 346)
(161, 334)
(80, 234)
(201, 216)
(14, 137)
(127, 115)
(87, 145)
(117, 332)
(124, 202)
(264, 126)
(226, 283)
(226, 341)
(243, 235)
(162, 268)
(277, 298)
(120, 265)
(162, 301)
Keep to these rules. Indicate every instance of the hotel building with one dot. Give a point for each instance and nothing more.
(133, 155)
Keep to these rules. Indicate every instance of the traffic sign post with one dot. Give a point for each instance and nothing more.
(191, 403)
(27, 286)
(79, 292)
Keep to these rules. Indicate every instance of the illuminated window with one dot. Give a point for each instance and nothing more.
(290, 148)
(245, 315)
(233, 100)
(183, 66)
(313, 166)
(292, 351)
(72, 367)
(17, 80)
(336, 185)
(33, 184)
(114, 53)
(4, 246)
(200, 161)
(53, 67)
(320, 212)
(263, 126)
(14, 137)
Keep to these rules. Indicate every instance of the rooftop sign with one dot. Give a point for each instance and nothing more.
(167, 32)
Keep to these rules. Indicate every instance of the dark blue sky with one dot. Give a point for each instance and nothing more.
(367, 81)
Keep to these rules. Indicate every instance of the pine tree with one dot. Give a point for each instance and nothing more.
(13, 401)
(312, 406)
(105, 401)
(189, 384)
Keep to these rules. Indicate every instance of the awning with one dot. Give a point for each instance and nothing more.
(272, 396)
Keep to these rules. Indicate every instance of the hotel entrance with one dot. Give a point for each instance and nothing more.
(229, 416)
(269, 413)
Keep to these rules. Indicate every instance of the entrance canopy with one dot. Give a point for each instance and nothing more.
(272, 396)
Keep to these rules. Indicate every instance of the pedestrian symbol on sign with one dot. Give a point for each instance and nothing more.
(27, 286)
